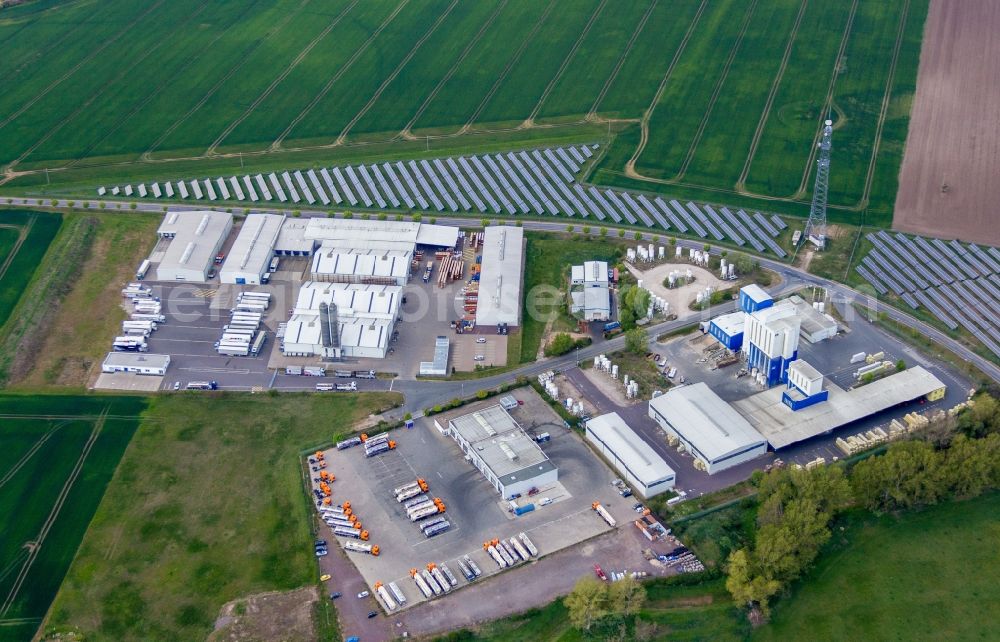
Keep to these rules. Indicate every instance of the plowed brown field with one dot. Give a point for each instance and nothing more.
(950, 179)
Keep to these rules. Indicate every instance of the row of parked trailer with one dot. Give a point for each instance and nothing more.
(242, 336)
(511, 551)
(421, 508)
(142, 322)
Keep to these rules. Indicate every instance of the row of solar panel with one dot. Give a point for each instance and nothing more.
(958, 284)
(540, 182)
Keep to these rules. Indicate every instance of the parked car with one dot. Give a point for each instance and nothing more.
(481, 340)
(211, 273)
(320, 543)
(544, 501)
(372, 614)
(177, 385)
(363, 594)
(334, 596)
(325, 577)
(321, 552)
(479, 357)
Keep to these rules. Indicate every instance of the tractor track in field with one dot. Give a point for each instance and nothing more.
(530, 120)
(135, 62)
(244, 57)
(289, 68)
(772, 94)
(276, 145)
(886, 99)
(29, 454)
(395, 72)
(717, 90)
(506, 70)
(23, 231)
(72, 70)
(405, 132)
(630, 170)
(41, 53)
(592, 112)
(35, 546)
(281, 77)
(828, 102)
(191, 60)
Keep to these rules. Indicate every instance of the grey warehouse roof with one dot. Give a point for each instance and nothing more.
(635, 453)
(254, 246)
(502, 444)
(195, 235)
(707, 422)
(783, 427)
(500, 279)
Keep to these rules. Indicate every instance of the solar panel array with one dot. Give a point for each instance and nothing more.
(959, 284)
(536, 182)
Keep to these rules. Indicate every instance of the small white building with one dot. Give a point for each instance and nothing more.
(590, 292)
(439, 366)
(708, 427)
(195, 239)
(633, 458)
(495, 444)
(142, 363)
(251, 253)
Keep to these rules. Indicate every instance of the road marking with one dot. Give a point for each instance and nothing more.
(226, 370)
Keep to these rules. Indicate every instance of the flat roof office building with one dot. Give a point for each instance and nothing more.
(509, 459)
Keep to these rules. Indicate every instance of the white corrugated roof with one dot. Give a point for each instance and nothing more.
(707, 422)
(500, 279)
(339, 260)
(254, 246)
(635, 453)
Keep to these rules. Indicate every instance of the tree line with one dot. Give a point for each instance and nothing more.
(952, 458)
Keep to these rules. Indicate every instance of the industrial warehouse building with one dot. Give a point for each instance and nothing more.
(783, 424)
(632, 457)
(338, 320)
(708, 427)
(136, 362)
(194, 238)
(253, 249)
(495, 444)
(303, 237)
(338, 264)
(589, 291)
(500, 279)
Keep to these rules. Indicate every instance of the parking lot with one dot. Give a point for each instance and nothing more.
(474, 508)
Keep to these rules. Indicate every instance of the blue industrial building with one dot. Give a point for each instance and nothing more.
(805, 386)
(754, 298)
(728, 329)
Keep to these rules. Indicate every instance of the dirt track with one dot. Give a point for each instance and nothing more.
(948, 182)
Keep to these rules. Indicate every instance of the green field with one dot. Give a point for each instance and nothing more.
(924, 575)
(19, 258)
(206, 506)
(546, 262)
(731, 94)
(58, 454)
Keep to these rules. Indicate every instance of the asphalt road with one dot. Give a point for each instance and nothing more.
(792, 278)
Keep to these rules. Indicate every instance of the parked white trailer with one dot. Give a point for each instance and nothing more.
(431, 582)
(528, 544)
(447, 573)
(521, 550)
(397, 593)
(472, 566)
(422, 584)
(231, 350)
(441, 579)
(605, 515)
(383, 593)
(497, 557)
